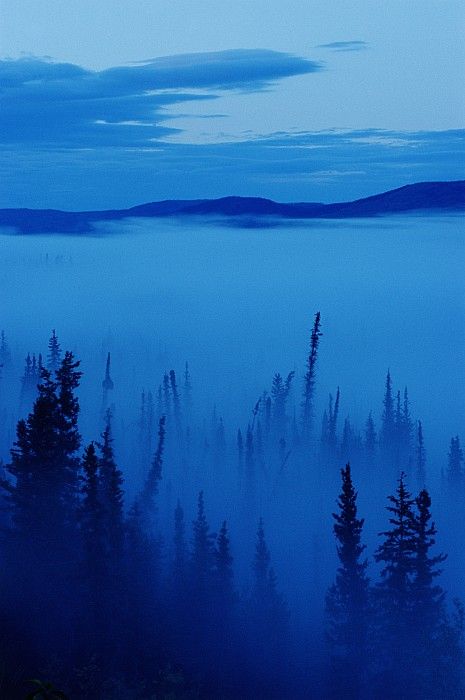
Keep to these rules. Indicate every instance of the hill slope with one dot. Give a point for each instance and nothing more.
(421, 197)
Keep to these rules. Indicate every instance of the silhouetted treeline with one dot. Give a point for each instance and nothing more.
(150, 573)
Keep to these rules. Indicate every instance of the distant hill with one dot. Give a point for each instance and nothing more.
(422, 197)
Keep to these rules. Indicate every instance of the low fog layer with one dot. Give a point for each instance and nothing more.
(238, 304)
(138, 301)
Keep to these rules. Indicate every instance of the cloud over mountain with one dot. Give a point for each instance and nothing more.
(63, 104)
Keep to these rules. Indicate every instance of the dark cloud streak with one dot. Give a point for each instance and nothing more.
(63, 104)
(344, 46)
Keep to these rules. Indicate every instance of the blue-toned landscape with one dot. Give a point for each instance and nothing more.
(232, 351)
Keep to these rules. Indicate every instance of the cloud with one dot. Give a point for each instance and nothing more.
(344, 46)
(332, 165)
(64, 104)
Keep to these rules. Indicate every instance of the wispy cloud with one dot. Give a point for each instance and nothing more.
(344, 46)
(331, 165)
(64, 104)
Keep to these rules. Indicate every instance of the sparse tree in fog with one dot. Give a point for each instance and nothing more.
(5, 353)
(54, 353)
(223, 570)
(151, 486)
(180, 556)
(111, 493)
(310, 378)
(370, 440)
(202, 552)
(387, 436)
(455, 472)
(420, 456)
(91, 519)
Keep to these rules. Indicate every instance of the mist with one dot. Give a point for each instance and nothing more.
(238, 305)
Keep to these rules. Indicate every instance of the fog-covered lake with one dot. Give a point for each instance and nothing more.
(238, 305)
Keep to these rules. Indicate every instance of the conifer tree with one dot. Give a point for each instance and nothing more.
(91, 517)
(347, 601)
(220, 442)
(388, 425)
(54, 353)
(268, 616)
(176, 402)
(240, 453)
(223, 570)
(202, 552)
(249, 467)
(36, 494)
(420, 456)
(268, 408)
(428, 597)
(180, 549)
(68, 377)
(111, 494)
(370, 440)
(396, 554)
(455, 473)
(279, 392)
(187, 393)
(310, 377)
(347, 443)
(394, 595)
(407, 427)
(324, 428)
(261, 563)
(5, 354)
(436, 647)
(167, 397)
(29, 383)
(151, 486)
(333, 416)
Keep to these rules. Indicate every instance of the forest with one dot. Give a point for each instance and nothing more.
(291, 555)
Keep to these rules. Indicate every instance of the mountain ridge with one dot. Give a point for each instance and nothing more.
(421, 197)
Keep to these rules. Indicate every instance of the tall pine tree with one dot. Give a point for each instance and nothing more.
(347, 601)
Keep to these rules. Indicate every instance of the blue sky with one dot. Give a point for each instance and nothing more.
(111, 104)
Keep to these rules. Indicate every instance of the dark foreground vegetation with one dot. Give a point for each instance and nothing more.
(109, 596)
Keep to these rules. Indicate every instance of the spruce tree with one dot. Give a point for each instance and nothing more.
(370, 440)
(150, 491)
(420, 456)
(176, 403)
(310, 377)
(29, 383)
(437, 654)
(268, 619)
(240, 454)
(393, 638)
(91, 518)
(180, 550)
(396, 555)
(280, 389)
(187, 393)
(36, 495)
(333, 416)
(347, 601)
(223, 570)
(455, 472)
(5, 354)
(111, 494)
(202, 552)
(428, 598)
(388, 424)
(68, 377)
(54, 353)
